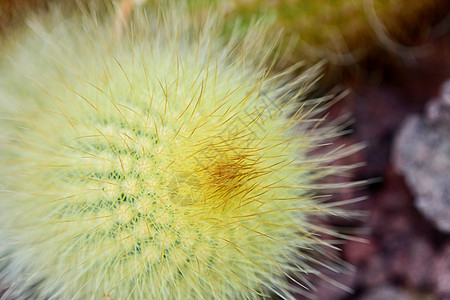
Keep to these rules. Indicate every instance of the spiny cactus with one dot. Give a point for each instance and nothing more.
(162, 164)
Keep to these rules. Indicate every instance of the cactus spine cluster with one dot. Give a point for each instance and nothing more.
(163, 164)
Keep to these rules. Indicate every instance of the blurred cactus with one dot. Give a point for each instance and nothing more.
(341, 31)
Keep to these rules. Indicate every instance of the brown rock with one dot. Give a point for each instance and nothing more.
(386, 293)
(441, 273)
(376, 272)
(418, 270)
(358, 252)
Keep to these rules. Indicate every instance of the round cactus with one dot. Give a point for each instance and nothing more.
(162, 164)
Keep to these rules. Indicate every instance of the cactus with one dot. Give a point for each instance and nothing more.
(162, 164)
(343, 32)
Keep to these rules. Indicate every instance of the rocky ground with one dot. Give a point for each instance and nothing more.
(403, 117)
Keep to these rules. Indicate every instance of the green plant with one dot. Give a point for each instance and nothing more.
(163, 164)
(343, 32)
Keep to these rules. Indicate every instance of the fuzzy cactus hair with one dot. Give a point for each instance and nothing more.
(162, 164)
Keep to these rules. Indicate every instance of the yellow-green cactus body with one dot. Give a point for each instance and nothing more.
(160, 165)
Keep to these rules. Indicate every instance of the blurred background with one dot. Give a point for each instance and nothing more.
(394, 59)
